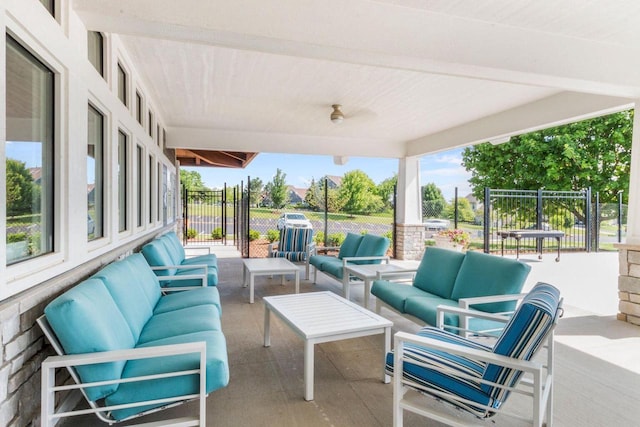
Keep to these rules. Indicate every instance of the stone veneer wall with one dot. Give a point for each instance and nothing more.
(629, 283)
(22, 344)
(409, 241)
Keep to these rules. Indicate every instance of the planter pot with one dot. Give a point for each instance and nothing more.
(444, 242)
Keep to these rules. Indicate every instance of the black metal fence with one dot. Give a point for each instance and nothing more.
(330, 224)
(205, 215)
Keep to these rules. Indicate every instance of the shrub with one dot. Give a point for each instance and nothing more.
(273, 235)
(389, 235)
(335, 239)
(319, 237)
(254, 235)
(191, 233)
(363, 232)
(217, 233)
(16, 237)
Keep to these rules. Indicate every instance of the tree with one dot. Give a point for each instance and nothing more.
(592, 153)
(358, 194)
(191, 180)
(465, 212)
(386, 190)
(21, 190)
(255, 186)
(433, 201)
(276, 190)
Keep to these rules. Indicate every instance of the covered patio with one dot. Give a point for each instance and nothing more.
(216, 83)
(597, 359)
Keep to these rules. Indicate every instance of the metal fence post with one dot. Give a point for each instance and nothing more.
(620, 217)
(487, 218)
(326, 211)
(455, 208)
(588, 221)
(597, 222)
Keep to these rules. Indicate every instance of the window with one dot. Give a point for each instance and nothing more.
(159, 193)
(49, 4)
(139, 107)
(150, 124)
(150, 188)
(139, 178)
(122, 85)
(95, 47)
(95, 179)
(158, 135)
(29, 155)
(164, 139)
(122, 180)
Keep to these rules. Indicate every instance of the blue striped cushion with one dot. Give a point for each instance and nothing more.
(523, 335)
(422, 366)
(293, 244)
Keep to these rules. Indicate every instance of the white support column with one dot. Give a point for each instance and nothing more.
(633, 216)
(409, 231)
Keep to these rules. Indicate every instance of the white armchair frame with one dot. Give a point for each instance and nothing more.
(536, 383)
(171, 278)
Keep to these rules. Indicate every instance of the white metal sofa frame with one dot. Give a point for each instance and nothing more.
(537, 382)
(50, 415)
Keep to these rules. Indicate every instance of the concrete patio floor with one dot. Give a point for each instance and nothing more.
(597, 360)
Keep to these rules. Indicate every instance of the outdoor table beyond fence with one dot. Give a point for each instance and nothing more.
(533, 234)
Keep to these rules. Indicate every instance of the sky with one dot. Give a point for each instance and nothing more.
(444, 169)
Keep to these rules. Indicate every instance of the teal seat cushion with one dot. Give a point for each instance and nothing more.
(350, 245)
(484, 275)
(372, 245)
(425, 308)
(333, 267)
(438, 270)
(156, 254)
(318, 260)
(394, 294)
(217, 376)
(181, 322)
(197, 296)
(85, 319)
(134, 288)
(210, 260)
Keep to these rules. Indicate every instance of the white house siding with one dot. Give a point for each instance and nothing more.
(26, 287)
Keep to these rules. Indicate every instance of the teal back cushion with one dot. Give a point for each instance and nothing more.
(134, 288)
(173, 246)
(438, 271)
(350, 245)
(372, 245)
(483, 275)
(157, 255)
(85, 319)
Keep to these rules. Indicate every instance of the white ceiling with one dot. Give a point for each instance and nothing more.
(413, 76)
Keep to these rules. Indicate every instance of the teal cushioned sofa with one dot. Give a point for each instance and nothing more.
(356, 249)
(167, 258)
(121, 308)
(449, 278)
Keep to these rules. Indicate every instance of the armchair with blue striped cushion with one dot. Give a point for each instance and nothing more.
(292, 245)
(476, 377)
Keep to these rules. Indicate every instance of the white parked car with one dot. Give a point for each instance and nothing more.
(437, 224)
(293, 220)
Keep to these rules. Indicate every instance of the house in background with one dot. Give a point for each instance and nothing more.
(296, 195)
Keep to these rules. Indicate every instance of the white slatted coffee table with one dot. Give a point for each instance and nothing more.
(268, 266)
(319, 317)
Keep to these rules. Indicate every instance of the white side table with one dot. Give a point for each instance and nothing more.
(268, 266)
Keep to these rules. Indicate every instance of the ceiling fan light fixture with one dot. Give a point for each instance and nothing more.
(336, 114)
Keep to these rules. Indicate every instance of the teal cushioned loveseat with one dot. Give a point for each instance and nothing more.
(167, 258)
(356, 249)
(450, 278)
(120, 308)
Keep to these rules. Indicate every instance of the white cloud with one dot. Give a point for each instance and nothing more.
(447, 172)
(452, 159)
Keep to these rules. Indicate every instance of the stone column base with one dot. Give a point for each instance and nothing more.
(409, 241)
(629, 283)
